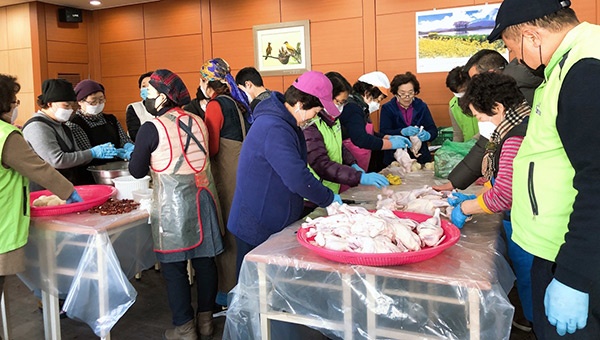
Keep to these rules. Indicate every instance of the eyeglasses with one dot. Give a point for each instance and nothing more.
(16, 102)
(340, 102)
(405, 94)
(96, 102)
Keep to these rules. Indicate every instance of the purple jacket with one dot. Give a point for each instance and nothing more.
(324, 166)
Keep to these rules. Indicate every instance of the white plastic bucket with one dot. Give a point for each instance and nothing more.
(127, 184)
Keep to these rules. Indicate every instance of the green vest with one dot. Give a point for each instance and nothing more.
(543, 192)
(332, 137)
(468, 125)
(14, 201)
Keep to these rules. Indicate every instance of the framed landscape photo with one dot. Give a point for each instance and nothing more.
(282, 48)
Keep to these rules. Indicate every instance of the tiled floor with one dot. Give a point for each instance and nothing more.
(146, 319)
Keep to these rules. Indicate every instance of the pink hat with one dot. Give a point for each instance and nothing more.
(317, 84)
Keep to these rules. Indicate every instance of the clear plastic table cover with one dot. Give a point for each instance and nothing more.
(88, 258)
(459, 294)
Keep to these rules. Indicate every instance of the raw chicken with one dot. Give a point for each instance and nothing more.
(416, 144)
(430, 231)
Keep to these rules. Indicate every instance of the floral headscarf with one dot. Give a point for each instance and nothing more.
(218, 69)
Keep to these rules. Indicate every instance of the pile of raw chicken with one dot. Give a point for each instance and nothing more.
(423, 201)
(355, 229)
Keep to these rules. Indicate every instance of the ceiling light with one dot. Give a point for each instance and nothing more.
(95, 3)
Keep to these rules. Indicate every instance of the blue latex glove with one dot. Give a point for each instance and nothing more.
(424, 136)
(104, 151)
(124, 154)
(128, 147)
(457, 198)
(566, 308)
(337, 198)
(375, 179)
(400, 142)
(458, 217)
(409, 131)
(74, 198)
(357, 168)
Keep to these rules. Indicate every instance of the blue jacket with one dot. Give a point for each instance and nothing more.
(392, 122)
(273, 177)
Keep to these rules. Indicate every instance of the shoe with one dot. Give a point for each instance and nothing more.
(187, 331)
(523, 325)
(204, 325)
(61, 314)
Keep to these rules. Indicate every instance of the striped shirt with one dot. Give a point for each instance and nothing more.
(499, 197)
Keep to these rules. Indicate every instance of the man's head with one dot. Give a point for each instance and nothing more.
(249, 80)
(485, 61)
(533, 29)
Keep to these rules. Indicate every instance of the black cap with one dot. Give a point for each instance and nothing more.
(57, 90)
(514, 12)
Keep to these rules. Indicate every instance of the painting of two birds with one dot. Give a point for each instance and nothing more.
(282, 48)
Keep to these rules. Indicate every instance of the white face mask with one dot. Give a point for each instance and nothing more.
(204, 92)
(486, 129)
(15, 114)
(94, 109)
(304, 123)
(373, 106)
(203, 106)
(249, 96)
(62, 115)
(458, 95)
(340, 107)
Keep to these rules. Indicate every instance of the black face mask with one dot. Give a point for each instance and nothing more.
(149, 104)
(539, 71)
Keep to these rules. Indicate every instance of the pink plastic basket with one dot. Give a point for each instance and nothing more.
(451, 232)
(92, 196)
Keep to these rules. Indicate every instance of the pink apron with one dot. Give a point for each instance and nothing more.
(363, 156)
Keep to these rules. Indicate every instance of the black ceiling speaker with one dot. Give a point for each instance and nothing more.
(68, 14)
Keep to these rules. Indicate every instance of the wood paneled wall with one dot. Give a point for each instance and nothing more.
(348, 36)
(16, 55)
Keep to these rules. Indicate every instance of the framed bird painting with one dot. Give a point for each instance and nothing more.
(282, 48)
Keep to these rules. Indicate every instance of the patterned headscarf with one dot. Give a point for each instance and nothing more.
(218, 69)
(169, 83)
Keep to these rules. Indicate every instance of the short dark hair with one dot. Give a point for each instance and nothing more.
(145, 75)
(401, 79)
(488, 88)
(456, 79)
(8, 92)
(486, 60)
(249, 74)
(340, 84)
(293, 95)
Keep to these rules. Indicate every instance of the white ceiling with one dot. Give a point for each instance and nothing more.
(82, 4)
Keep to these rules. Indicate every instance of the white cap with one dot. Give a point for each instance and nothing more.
(376, 78)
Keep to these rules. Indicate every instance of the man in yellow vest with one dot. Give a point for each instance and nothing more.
(557, 170)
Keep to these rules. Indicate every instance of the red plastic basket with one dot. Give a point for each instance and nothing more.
(451, 232)
(92, 196)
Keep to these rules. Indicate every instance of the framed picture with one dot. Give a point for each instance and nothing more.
(283, 48)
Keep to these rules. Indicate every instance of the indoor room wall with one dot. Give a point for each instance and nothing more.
(115, 46)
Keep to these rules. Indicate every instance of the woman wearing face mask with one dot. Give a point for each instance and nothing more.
(328, 159)
(227, 118)
(405, 114)
(137, 114)
(270, 194)
(19, 165)
(358, 134)
(92, 127)
(464, 127)
(53, 141)
(185, 222)
(495, 99)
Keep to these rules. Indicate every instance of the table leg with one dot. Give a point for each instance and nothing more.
(347, 306)
(4, 310)
(474, 322)
(103, 294)
(265, 323)
(371, 306)
(51, 316)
